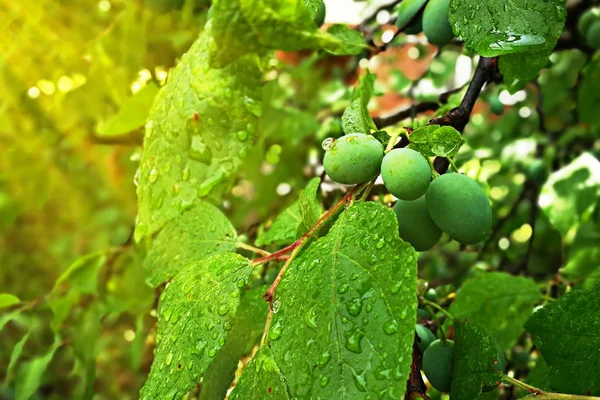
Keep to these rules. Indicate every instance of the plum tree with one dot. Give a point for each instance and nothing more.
(406, 12)
(435, 22)
(406, 173)
(415, 225)
(353, 158)
(426, 337)
(438, 360)
(459, 207)
(320, 15)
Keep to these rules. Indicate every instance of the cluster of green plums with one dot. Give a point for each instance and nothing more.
(438, 360)
(589, 27)
(452, 203)
(433, 21)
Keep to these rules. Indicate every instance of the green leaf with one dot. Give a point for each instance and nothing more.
(571, 194)
(356, 117)
(196, 312)
(499, 302)
(82, 275)
(583, 257)
(262, 379)
(588, 96)
(254, 26)
(520, 68)
(132, 114)
(201, 125)
(496, 27)
(343, 322)
(7, 300)
(538, 375)
(29, 376)
(201, 232)
(295, 220)
(567, 332)
(14, 358)
(433, 140)
(247, 330)
(475, 356)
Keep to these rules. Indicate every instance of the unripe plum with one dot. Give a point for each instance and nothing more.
(406, 173)
(320, 15)
(426, 337)
(435, 22)
(459, 207)
(438, 362)
(592, 36)
(415, 226)
(353, 158)
(406, 11)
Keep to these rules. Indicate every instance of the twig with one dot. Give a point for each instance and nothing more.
(253, 249)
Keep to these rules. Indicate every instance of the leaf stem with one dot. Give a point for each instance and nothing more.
(392, 142)
(433, 171)
(251, 248)
(441, 334)
(540, 394)
(454, 167)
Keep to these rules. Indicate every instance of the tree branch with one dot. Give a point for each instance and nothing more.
(415, 387)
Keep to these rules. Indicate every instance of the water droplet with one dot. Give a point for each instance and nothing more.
(252, 106)
(199, 151)
(353, 338)
(275, 306)
(311, 318)
(185, 174)
(153, 176)
(223, 309)
(169, 359)
(275, 332)
(324, 359)
(396, 288)
(212, 352)
(359, 382)
(354, 306)
(343, 288)
(242, 135)
(324, 381)
(390, 327)
(328, 143)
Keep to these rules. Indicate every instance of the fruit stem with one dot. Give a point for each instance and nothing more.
(441, 335)
(297, 246)
(253, 249)
(437, 307)
(433, 171)
(392, 142)
(454, 167)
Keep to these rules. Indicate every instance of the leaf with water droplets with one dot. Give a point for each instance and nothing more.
(199, 233)
(475, 355)
(262, 379)
(245, 332)
(496, 27)
(253, 26)
(567, 332)
(196, 311)
(499, 302)
(345, 323)
(193, 145)
(295, 220)
(433, 140)
(356, 117)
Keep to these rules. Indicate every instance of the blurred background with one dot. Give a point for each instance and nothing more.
(77, 79)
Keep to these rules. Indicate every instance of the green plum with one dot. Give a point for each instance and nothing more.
(459, 207)
(438, 362)
(406, 173)
(406, 11)
(435, 22)
(592, 36)
(320, 15)
(430, 294)
(353, 158)
(415, 226)
(586, 20)
(426, 337)
(496, 106)
(536, 171)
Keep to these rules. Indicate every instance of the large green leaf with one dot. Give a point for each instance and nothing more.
(476, 354)
(571, 194)
(262, 379)
(202, 123)
(295, 220)
(588, 96)
(196, 312)
(247, 329)
(198, 233)
(495, 27)
(356, 117)
(343, 322)
(567, 332)
(255, 26)
(29, 376)
(499, 302)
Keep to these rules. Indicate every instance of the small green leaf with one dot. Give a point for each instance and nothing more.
(433, 140)
(262, 379)
(196, 313)
(345, 40)
(583, 256)
(29, 376)
(499, 302)
(588, 96)
(567, 332)
(198, 233)
(202, 124)
(132, 114)
(571, 194)
(346, 310)
(82, 275)
(497, 27)
(295, 220)
(475, 356)
(518, 69)
(247, 330)
(356, 117)
(7, 300)
(14, 358)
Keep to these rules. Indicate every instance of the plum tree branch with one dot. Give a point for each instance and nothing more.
(415, 387)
